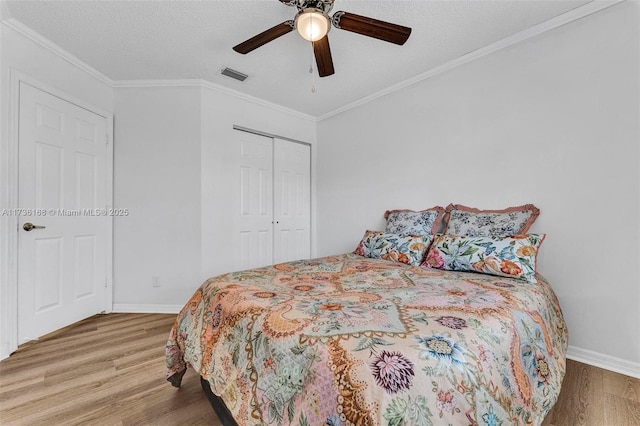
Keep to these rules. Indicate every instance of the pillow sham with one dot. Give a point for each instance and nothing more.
(409, 249)
(469, 221)
(423, 222)
(513, 256)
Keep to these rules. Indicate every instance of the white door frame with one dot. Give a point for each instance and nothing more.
(9, 200)
(312, 180)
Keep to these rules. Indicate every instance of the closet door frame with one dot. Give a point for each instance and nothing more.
(248, 199)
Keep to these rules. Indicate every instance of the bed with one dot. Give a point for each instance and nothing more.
(354, 340)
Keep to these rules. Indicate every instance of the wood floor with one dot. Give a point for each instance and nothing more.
(109, 370)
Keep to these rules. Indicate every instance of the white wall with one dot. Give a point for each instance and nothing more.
(220, 112)
(170, 174)
(157, 177)
(22, 54)
(551, 121)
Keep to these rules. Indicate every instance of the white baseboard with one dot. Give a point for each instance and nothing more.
(145, 309)
(622, 366)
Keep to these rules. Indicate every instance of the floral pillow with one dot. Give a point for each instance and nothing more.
(410, 222)
(513, 256)
(472, 222)
(409, 249)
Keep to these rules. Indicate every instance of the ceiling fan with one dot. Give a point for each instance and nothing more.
(313, 23)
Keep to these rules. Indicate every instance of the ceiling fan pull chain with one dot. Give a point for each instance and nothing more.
(313, 86)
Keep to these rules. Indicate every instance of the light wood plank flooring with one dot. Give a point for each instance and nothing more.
(109, 370)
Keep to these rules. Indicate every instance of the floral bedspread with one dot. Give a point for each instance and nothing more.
(348, 340)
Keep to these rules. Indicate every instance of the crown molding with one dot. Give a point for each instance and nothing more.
(205, 84)
(27, 32)
(136, 84)
(551, 24)
(222, 89)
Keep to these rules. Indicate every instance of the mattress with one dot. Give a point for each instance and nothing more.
(348, 340)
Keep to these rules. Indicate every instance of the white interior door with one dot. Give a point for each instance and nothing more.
(292, 206)
(62, 188)
(252, 158)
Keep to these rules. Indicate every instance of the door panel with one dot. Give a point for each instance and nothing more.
(62, 182)
(252, 157)
(86, 180)
(48, 273)
(292, 206)
(85, 261)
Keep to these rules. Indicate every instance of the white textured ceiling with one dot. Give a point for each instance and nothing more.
(159, 40)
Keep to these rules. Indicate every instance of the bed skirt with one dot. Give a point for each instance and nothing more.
(218, 405)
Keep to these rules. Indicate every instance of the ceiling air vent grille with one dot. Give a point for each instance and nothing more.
(234, 74)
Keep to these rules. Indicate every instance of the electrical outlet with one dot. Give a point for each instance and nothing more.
(155, 281)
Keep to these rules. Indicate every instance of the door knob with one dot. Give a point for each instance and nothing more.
(29, 226)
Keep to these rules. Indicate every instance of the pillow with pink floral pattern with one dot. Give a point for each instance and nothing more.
(408, 249)
(512, 256)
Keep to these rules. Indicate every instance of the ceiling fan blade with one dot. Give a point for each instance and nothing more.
(322, 52)
(370, 27)
(264, 37)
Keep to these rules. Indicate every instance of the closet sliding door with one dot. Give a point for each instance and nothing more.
(252, 188)
(291, 201)
(271, 198)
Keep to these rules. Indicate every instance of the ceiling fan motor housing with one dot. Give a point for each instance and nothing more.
(323, 6)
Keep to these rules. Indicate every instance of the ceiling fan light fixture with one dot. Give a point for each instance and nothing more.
(312, 24)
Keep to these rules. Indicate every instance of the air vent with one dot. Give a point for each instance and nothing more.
(234, 74)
